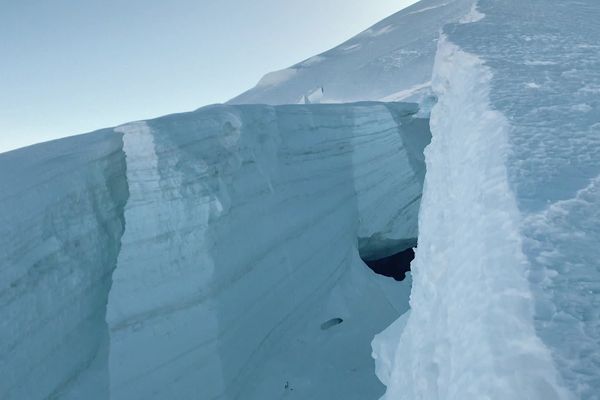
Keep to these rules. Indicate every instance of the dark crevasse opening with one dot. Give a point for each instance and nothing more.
(394, 266)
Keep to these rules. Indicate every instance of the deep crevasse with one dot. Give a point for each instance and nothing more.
(241, 227)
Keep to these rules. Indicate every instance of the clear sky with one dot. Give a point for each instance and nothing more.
(72, 66)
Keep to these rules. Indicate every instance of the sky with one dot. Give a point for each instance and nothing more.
(73, 66)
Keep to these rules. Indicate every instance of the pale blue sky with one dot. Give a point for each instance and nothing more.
(72, 66)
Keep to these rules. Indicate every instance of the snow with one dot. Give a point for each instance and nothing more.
(312, 61)
(427, 9)
(408, 93)
(277, 77)
(553, 164)
(371, 32)
(474, 15)
(197, 255)
(384, 346)
(314, 97)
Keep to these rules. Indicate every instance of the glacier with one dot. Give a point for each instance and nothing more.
(61, 209)
(205, 254)
(217, 254)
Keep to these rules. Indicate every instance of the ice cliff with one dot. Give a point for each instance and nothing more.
(211, 254)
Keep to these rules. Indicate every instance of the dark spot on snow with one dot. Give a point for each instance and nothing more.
(331, 323)
(395, 266)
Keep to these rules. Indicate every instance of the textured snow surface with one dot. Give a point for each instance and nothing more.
(393, 59)
(505, 301)
(232, 234)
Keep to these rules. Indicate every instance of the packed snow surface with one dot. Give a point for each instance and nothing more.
(506, 295)
(204, 255)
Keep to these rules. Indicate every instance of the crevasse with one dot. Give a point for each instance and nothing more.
(232, 234)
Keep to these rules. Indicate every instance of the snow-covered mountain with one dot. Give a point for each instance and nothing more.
(391, 61)
(216, 254)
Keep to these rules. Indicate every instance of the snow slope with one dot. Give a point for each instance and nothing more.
(505, 296)
(242, 229)
(232, 234)
(391, 61)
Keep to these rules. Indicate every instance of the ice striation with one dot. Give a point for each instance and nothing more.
(212, 254)
(505, 298)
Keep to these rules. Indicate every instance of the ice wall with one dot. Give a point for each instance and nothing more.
(234, 235)
(241, 240)
(61, 213)
(506, 276)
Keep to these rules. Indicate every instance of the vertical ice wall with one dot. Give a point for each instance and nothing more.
(241, 242)
(61, 213)
(505, 297)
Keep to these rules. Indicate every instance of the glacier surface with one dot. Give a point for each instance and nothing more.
(206, 254)
(505, 300)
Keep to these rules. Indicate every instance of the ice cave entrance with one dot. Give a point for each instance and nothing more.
(394, 266)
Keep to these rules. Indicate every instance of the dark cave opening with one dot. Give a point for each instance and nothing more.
(395, 266)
